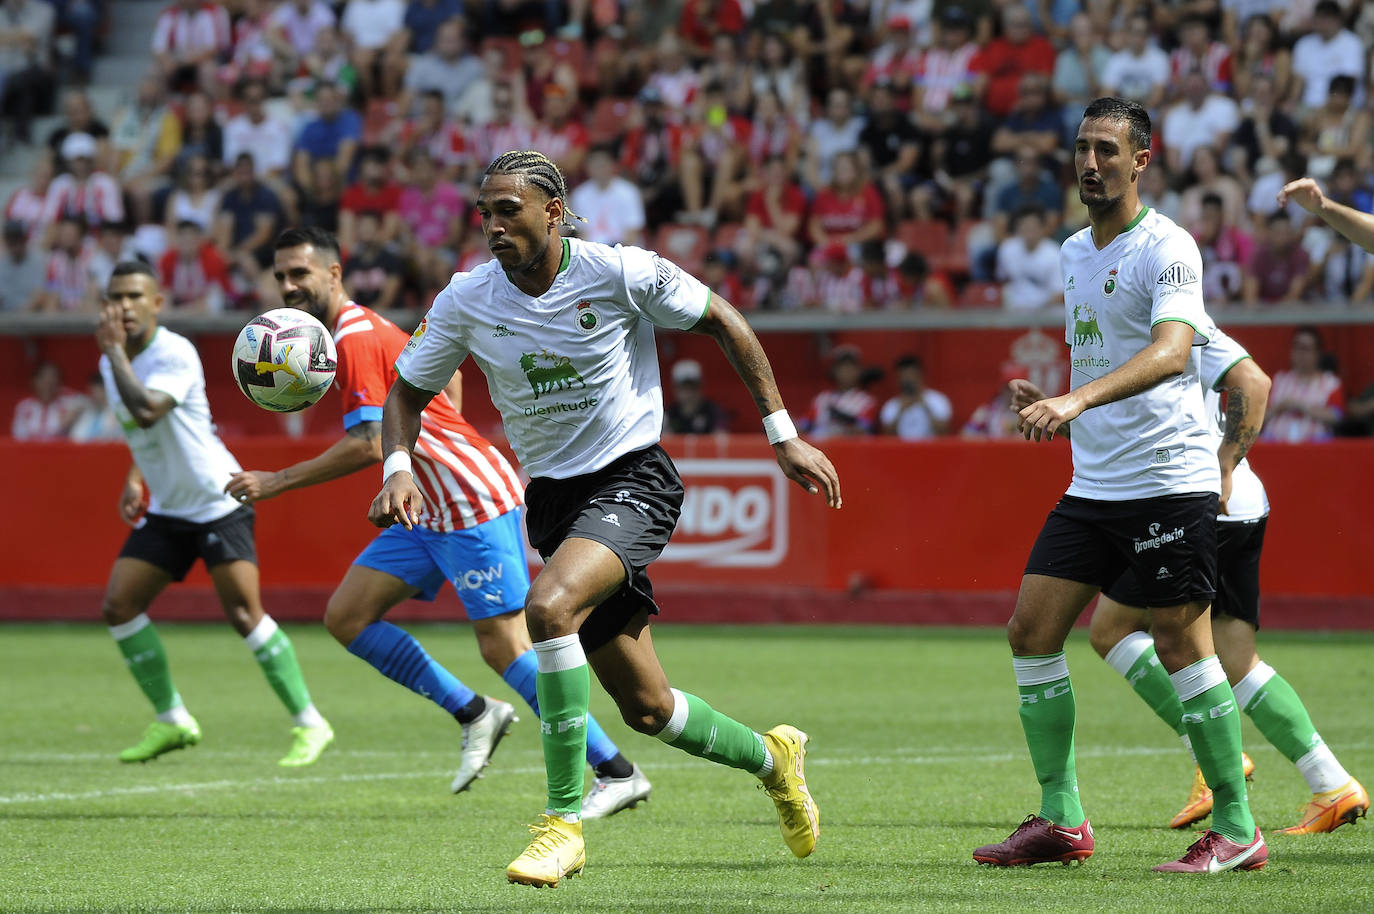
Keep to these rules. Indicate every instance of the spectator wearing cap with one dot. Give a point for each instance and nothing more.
(850, 209)
(1330, 49)
(612, 206)
(334, 133)
(896, 61)
(84, 191)
(1139, 71)
(891, 145)
(946, 66)
(916, 413)
(1002, 63)
(26, 78)
(376, 33)
(1028, 264)
(690, 412)
(1202, 117)
(21, 271)
(845, 409)
(449, 67)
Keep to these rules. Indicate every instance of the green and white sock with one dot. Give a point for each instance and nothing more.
(1048, 712)
(563, 685)
(1134, 658)
(277, 657)
(1279, 714)
(698, 729)
(146, 658)
(1209, 713)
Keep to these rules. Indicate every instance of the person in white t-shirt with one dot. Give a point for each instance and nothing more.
(563, 329)
(917, 412)
(1144, 497)
(612, 206)
(1201, 118)
(173, 498)
(1028, 264)
(1140, 70)
(1330, 49)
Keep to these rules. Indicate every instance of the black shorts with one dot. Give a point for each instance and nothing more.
(174, 545)
(1239, 544)
(1170, 542)
(630, 506)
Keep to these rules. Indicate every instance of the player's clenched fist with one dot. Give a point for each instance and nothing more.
(399, 502)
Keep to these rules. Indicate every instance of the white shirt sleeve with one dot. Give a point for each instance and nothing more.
(1219, 356)
(939, 405)
(662, 291)
(434, 352)
(1175, 275)
(891, 409)
(174, 370)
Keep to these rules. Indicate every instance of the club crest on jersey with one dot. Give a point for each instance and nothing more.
(587, 318)
(1177, 274)
(417, 335)
(1085, 329)
(1109, 286)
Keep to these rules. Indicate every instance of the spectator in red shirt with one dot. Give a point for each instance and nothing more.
(702, 20)
(1306, 400)
(650, 155)
(187, 39)
(1197, 51)
(1278, 268)
(774, 217)
(193, 272)
(375, 191)
(50, 411)
(1001, 64)
(559, 136)
(850, 210)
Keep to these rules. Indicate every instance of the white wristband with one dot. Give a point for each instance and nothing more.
(396, 462)
(779, 428)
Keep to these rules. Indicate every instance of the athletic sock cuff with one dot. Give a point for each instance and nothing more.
(1250, 686)
(673, 729)
(1128, 650)
(1196, 678)
(128, 629)
(559, 654)
(1032, 671)
(261, 633)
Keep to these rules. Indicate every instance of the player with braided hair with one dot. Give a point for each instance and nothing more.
(563, 329)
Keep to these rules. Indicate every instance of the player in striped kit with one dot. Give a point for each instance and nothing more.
(470, 537)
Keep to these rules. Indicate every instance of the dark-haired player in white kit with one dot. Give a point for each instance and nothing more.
(564, 331)
(1143, 497)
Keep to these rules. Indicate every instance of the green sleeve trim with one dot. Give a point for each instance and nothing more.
(415, 387)
(707, 309)
(1182, 320)
(1221, 377)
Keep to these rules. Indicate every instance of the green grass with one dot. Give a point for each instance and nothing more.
(916, 758)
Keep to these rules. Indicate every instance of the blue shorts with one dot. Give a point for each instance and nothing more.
(486, 563)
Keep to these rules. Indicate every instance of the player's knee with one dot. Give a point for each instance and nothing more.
(499, 649)
(646, 712)
(342, 621)
(117, 611)
(548, 613)
(1102, 638)
(1020, 634)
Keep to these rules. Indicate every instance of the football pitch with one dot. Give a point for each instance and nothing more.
(916, 758)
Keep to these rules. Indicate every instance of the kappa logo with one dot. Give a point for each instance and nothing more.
(611, 519)
(1177, 274)
(212, 539)
(1163, 574)
(502, 330)
(1069, 286)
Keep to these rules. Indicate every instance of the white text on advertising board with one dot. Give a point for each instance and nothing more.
(734, 514)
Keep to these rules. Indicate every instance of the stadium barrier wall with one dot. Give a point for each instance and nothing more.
(930, 533)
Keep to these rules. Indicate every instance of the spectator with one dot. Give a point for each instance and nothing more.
(1028, 264)
(778, 71)
(194, 274)
(84, 191)
(1346, 271)
(720, 273)
(68, 283)
(919, 287)
(1337, 130)
(612, 206)
(702, 21)
(846, 409)
(1278, 268)
(372, 274)
(317, 196)
(673, 77)
(881, 289)
(21, 271)
(1306, 401)
(1197, 51)
(333, 133)
(946, 66)
(1155, 193)
(1140, 70)
(1265, 131)
(376, 191)
(1261, 53)
(96, 421)
(891, 145)
(1202, 117)
(959, 162)
(690, 412)
(48, 414)
(773, 132)
(432, 214)
(328, 62)
(995, 419)
(1003, 61)
(256, 132)
(442, 141)
(774, 218)
(1033, 186)
(1078, 70)
(249, 217)
(833, 282)
(849, 210)
(26, 78)
(188, 38)
(79, 117)
(376, 32)
(1226, 250)
(201, 134)
(1034, 123)
(253, 56)
(1328, 50)
(26, 205)
(649, 157)
(1207, 177)
(423, 19)
(836, 133)
(112, 245)
(511, 125)
(916, 413)
(194, 198)
(145, 138)
(896, 61)
(559, 135)
(297, 25)
(449, 68)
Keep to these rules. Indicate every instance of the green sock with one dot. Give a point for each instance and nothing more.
(698, 729)
(1277, 711)
(1134, 658)
(141, 646)
(1209, 713)
(1047, 716)
(277, 658)
(564, 687)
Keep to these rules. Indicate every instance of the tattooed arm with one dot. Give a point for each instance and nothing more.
(1247, 394)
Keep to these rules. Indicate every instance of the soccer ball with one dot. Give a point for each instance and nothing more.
(284, 360)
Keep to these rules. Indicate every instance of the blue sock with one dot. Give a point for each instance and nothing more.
(400, 658)
(520, 677)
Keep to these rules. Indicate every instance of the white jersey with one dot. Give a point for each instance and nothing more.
(1158, 442)
(183, 462)
(1248, 501)
(574, 372)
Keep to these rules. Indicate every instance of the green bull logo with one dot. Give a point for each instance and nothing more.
(1085, 329)
(547, 372)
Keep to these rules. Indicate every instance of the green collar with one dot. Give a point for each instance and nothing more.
(567, 254)
(1134, 222)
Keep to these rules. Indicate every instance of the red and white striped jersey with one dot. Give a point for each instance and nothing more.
(26, 206)
(98, 199)
(464, 479)
(182, 32)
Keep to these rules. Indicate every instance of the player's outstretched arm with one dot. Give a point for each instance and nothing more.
(1166, 356)
(360, 447)
(1353, 224)
(800, 462)
(1247, 395)
(144, 405)
(400, 500)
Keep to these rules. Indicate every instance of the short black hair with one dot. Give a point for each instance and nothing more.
(1328, 8)
(1213, 199)
(1343, 84)
(133, 268)
(1119, 109)
(908, 360)
(1029, 209)
(1312, 331)
(321, 240)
